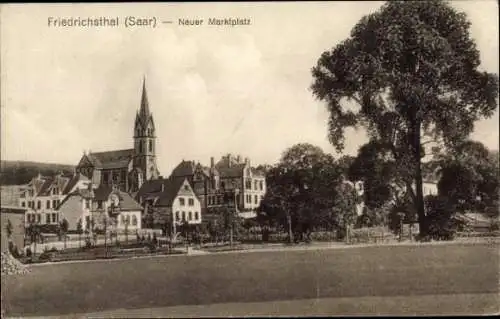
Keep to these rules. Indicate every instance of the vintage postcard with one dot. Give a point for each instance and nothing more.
(249, 159)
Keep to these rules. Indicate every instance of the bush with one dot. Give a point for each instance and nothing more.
(440, 218)
(13, 250)
(495, 226)
(45, 256)
(323, 236)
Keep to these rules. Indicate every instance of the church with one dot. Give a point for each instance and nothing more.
(126, 169)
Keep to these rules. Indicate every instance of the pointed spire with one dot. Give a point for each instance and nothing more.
(144, 100)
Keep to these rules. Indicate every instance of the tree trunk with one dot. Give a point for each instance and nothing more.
(290, 233)
(422, 221)
(231, 236)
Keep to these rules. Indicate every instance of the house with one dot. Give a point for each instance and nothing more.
(10, 194)
(100, 205)
(129, 168)
(170, 201)
(230, 182)
(15, 215)
(43, 194)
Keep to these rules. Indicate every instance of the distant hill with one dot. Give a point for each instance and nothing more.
(21, 172)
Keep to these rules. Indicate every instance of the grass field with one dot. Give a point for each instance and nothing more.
(253, 277)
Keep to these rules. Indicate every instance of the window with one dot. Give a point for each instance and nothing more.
(248, 184)
(87, 203)
(99, 204)
(177, 216)
(54, 203)
(39, 204)
(255, 184)
(150, 145)
(190, 215)
(47, 218)
(196, 216)
(122, 220)
(256, 199)
(186, 188)
(261, 185)
(183, 216)
(181, 201)
(191, 202)
(23, 204)
(123, 176)
(48, 204)
(54, 217)
(87, 222)
(105, 177)
(222, 185)
(134, 220)
(38, 218)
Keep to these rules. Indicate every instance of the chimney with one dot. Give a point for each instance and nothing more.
(212, 162)
(247, 161)
(238, 159)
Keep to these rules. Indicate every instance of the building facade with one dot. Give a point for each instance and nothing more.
(93, 207)
(230, 181)
(126, 169)
(43, 194)
(170, 202)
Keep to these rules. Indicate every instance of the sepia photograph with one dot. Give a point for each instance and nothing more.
(249, 159)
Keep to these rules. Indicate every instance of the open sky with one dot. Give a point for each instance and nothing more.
(212, 90)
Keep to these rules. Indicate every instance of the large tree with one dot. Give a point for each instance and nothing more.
(408, 72)
(301, 189)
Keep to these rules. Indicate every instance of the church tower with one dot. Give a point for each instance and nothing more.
(145, 141)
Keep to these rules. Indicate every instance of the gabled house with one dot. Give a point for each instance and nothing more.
(169, 202)
(100, 205)
(43, 194)
(231, 182)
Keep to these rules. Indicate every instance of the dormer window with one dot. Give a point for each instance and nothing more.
(115, 201)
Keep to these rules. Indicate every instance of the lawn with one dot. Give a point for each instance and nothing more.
(252, 277)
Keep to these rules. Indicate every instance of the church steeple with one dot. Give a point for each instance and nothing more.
(145, 140)
(144, 111)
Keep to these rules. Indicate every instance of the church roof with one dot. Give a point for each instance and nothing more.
(111, 159)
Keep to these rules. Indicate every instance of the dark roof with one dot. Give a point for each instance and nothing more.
(127, 202)
(235, 170)
(185, 168)
(103, 193)
(165, 196)
(257, 172)
(72, 182)
(111, 159)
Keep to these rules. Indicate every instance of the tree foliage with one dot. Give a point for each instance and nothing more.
(408, 71)
(469, 177)
(303, 190)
